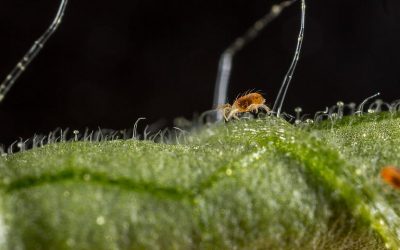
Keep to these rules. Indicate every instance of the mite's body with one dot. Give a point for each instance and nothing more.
(391, 175)
(252, 102)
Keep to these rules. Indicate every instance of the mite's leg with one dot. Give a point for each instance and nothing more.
(235, 116)
(233, 113)
(256, 107)
(253, 108)
(226, 114)
(265, 107)
(225, 109)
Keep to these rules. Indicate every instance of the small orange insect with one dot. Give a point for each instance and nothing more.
(391, 175)
(251, 102)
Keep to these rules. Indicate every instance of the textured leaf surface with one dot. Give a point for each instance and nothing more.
(251, 184)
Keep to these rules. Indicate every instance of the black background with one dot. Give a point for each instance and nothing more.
(112, 62)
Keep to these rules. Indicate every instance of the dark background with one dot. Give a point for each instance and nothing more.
(112, 62)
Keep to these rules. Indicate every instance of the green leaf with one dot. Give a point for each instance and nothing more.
(248, 184)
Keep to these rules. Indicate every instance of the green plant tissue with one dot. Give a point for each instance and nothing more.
(248, 184)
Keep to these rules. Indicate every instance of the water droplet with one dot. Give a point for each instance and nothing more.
(100, 220)
(228, 172)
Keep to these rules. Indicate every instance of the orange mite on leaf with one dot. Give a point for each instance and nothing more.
(252, 102)
(391, 175)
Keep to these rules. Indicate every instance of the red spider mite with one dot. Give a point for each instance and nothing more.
(391, 175)
(251, 102)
